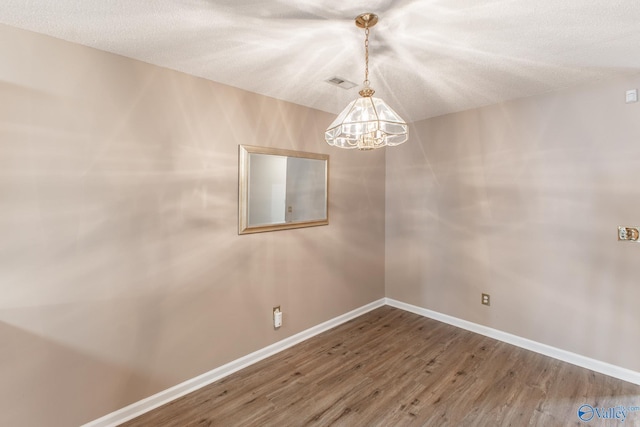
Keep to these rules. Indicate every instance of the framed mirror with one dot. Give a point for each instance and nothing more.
(281, 189)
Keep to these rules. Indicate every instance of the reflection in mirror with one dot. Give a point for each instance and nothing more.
(281, 189)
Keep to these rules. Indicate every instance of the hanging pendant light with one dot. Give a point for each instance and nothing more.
(368, 122)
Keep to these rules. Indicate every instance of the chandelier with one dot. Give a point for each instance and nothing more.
(367, 122)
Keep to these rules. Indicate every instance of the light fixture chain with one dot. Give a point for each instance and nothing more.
(367, 123)
(366, 56)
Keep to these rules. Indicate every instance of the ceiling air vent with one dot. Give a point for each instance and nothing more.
(340, 82)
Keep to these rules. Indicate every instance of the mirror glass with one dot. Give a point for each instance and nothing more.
(281, 189)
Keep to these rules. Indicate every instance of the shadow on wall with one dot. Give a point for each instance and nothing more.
(58, 388)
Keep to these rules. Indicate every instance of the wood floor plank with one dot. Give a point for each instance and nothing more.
(394, 368)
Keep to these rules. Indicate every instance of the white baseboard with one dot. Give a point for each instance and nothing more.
(138, 408)
(547, 350)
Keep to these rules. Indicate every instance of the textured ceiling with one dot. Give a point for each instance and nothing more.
(428, 57)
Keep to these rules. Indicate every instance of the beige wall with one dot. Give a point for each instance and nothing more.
(121, 270)
(522, 200)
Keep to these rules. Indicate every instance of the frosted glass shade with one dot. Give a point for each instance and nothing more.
(365, 124)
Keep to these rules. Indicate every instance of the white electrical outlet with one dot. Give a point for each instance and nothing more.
(622, 233)
(629, 234)
(632, 96)
(277, 317)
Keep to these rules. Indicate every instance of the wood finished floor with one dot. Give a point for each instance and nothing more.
(390, 367)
